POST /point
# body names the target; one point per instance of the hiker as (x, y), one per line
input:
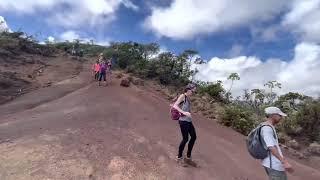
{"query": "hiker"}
(108, 71)
(102, 71)
(186, 126)
(263, 144)
(277, 167)
(96, 69)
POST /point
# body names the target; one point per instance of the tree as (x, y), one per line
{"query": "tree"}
(258, 95)
(247, 96)
(199, 60)
(309, 119)
(258, 99)
(188, 56)
(214, 90)
(291, 99)
(272, 84)
(150, 49)
(233, 77)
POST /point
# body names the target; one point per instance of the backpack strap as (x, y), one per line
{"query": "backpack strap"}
(185, 99)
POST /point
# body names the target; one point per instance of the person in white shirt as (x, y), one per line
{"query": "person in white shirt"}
(275, 164)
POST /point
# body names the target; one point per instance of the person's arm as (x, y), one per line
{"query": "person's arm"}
(179, 101)
(288, 167)
(274, 151)
(268, 137)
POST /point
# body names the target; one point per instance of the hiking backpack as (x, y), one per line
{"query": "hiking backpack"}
(256, 145)
(175, 114)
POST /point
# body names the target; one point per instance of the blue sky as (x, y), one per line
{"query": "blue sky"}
(128, 26)
(266, 30)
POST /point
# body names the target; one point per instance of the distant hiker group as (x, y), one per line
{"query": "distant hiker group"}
(102, 70)
(262, 142)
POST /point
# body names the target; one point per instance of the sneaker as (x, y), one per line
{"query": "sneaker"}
(190, 162)
(181, 162)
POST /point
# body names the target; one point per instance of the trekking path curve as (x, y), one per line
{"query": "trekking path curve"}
(112, 132)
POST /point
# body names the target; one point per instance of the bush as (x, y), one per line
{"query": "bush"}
(214, 90)
(238, 118)
(308, 117)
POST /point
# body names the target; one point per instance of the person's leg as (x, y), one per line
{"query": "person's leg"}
(100, 78)
(96, 76)
(105, 78)
(276, 175)
(193, 136)
(184, 133)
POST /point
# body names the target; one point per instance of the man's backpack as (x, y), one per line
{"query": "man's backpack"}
(256, 145)
(175, 114)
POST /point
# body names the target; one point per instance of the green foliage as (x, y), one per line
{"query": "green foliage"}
(308, 117)
(18, 42)
(271, 96)
(290, 101)
(214, 90)
(239, 118)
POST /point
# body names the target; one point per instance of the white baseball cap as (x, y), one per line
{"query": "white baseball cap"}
(274, 110)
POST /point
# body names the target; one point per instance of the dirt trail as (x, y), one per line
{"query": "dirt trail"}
(115, 133)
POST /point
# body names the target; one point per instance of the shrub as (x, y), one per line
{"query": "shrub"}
(308, 117)
(238, 118)
(214, 90)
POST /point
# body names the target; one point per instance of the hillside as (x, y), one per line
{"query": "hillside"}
(116, 133)
(26, 65)
(56, 123)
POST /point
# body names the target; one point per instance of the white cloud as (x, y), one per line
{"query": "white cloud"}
(235, 50)
(304, 19)
(69, 36)
(3, 25)
(130, 5)
(185, 19)
(77, 13)
(162, 49)
(103, 43)
(301, 74)
(72, 35)
(51, 39)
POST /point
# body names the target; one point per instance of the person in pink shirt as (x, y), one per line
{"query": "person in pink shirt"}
(95, 69)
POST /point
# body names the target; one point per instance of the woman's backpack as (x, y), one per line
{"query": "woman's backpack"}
(175, 114)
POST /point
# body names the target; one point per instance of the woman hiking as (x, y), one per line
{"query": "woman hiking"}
(102, 72)
(95, 69)
(183, 105)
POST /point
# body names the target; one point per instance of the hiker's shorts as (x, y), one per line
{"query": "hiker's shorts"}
(276, 175)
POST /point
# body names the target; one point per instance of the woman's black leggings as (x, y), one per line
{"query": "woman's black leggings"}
(186, 129)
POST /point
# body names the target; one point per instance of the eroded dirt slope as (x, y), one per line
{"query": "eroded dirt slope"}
(115, 133)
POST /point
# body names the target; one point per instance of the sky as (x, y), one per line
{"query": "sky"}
(261, 40)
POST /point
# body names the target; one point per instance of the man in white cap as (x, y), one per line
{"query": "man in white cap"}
(275, 164)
